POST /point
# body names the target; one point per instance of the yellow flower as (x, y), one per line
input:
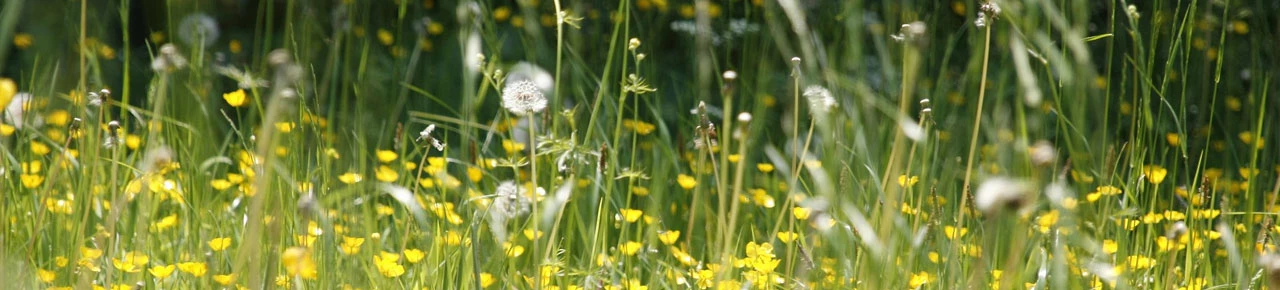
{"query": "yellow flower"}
(31, 181)
(954, 233)
(1154, 173)
(1174, 139)
(351, 245)
(297, 261)
(511, 250)
(219, 244)
(386, 174)
(46, 275)
(386, 156)
(132, 262)
(686, 182)
(21, 41)
(161, 271)
(512, 147)
(908, 181)
(165, 222)
(1109, 246)
(58, 118)
(413, 255)
(39, 148)
(630, 215)
(388, 264)
(7, 90)
(235, 99)
(350, 178)
(669, 237)
(630, 248)
(919, 279)
(225, 280)
(800, 213)
(194, 268)
(1140, 262)
(285, 127)
(385, 37)
(487, 280)
(765, 167)
(787, 237)
(475, 174)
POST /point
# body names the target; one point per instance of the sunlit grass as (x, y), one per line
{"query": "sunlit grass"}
(634, 144)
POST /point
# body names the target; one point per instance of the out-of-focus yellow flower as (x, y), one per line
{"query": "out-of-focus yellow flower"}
(630, 215)
(219, 244)
(165, 222)
(908, 181)
(800, 213)
(46, 275)
(350, 178)
(385, 37)
(1155, 173)
(686, 182)
(413, 255)
(388, 265)
(297, 261)
(630, 248)
(226, 279)
(787, 237)
(919, 279)
(161, 271)
(386, 174)
(351, 245)
(386, 156)
(669, 237)
(236, 98)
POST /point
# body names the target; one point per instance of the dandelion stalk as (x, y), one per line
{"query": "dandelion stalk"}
(977, 126)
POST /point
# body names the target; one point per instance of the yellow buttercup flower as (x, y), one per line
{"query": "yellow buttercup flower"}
(669, 237)
(219, 244)
(1154, 173)
(226, 279)
(236, 98)
(350, 178)
(787, 237)
(351, 245)
(686, 182)
(161, 271)
(630, 248)
(413, 255)
(386, 156)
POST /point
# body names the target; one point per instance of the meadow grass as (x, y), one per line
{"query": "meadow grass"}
(635, 144)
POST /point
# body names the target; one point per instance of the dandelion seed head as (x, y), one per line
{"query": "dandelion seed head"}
(509, 201)
(169, 59)
(820, 99)
(1000, 194)
(523, 98)
(198, 29)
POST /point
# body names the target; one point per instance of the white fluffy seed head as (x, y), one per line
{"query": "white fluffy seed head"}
(1000, 194)
(523, 98)
(820, 99)
(509, 201)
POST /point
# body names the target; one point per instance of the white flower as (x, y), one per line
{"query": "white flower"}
(998, 194)
(425, 135)
(15, 113)
(523, 97)
(820, 99)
